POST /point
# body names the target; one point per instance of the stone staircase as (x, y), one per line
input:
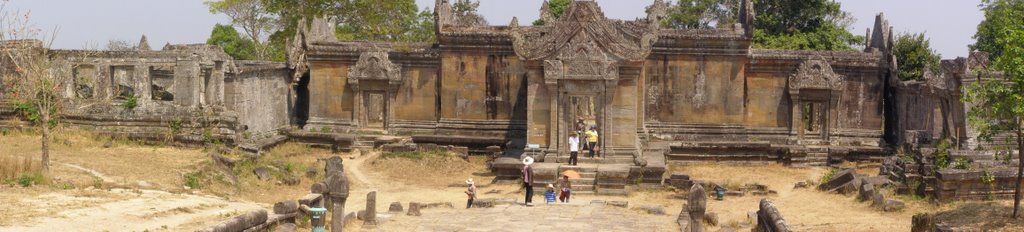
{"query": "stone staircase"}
(816, 155)
(585, 184)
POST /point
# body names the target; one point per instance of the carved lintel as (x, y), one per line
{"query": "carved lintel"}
(630, 41)
(375, 66)
(815, 73)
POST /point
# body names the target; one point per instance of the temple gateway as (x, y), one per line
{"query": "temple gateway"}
(636, 82)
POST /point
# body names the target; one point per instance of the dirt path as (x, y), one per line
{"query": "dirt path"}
(113, 210)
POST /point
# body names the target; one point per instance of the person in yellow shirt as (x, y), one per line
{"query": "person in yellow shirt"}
(592, 139)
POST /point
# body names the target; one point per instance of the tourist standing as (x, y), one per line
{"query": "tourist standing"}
(470, 192)
(565, 189)
(574, 149)
(528, 179)
(592, 139)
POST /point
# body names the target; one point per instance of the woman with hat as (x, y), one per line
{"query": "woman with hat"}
(528, 179)
(470, 192)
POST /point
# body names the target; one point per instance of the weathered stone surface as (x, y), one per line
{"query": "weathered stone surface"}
(286, 207)
(711, 218)
(290, 180)
(285, 227)
(311, 173)
(240, 222)
(652, 209)
(878, 200)
(801, 184)
(395, 207)
(839, 180)
(892, 205)
(414, 209)
(262, 173)
(621, 204)
(866, 191)
(697, 205)
(922, 222)
(769, 218)
(370, 217)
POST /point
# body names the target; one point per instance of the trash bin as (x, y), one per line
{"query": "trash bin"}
(317, 217)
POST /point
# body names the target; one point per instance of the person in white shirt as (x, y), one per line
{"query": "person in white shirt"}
(574, 149)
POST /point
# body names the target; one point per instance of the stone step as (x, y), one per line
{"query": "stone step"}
(582, 181)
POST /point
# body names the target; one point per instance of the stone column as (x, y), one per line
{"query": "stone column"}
(337, 184)
(697, 205)
(370, 214)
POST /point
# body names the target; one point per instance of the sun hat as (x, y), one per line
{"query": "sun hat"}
(469, 181)
(528, 161)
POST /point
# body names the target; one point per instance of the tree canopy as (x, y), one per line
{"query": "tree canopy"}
(556, 8)
(803, 25)
(913, 54)
(692, 14)
(228, 38)
(999, 103)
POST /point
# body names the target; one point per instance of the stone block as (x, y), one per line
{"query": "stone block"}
(414, 209)
(622, 204)
(866, 190)
(652, 209)
(544, 174)
(262, 173)
(840, 179)
(679, 176)
(395, 207)
(711, 218)
(892, 205)
(286, 207)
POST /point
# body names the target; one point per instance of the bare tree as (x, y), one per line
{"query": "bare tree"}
(120, 45)
(27, 68)
(252, 17)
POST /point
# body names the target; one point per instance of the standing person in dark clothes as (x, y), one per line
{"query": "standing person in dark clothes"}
(528, 179)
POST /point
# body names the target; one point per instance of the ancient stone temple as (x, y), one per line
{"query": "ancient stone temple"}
(635, 81)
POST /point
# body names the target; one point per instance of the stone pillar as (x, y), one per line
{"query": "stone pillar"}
(337, 184)
(370, 217)
(333, 164)
(697, 205)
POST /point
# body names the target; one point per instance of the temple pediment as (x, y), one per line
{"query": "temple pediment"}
(585, 25)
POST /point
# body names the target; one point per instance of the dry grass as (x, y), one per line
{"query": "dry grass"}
(433, 170)
(988, 216)
(13, 166)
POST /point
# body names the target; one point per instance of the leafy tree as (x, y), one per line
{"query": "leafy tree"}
(803, 25)
(987, 29)
(228, 38)
(556, 7)
(914, 54)
(253, 18)
(466, 12)
(690, 14)
(383, 20)
(1000, 103)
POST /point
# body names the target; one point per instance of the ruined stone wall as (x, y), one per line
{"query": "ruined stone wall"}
(330, 98)
(993, 183)
(482, 94)
(695, 90)
(259, 95)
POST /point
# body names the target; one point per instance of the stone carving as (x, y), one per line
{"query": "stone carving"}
(815, 73)
(318, 29)
(370, 215)
(545, 12)
(375, 66)
(584, 22)
(697, 205)
(700, 89)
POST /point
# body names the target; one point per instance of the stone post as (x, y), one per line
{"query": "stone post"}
(337, 185)
(697, 205)
(332, 164)
(370, 214)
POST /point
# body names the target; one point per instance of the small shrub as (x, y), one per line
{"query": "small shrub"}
(5, 131)
(963, 164)
(29, 179)
(325, 130)
(828, 175)
(209, 138)
(175, 125)
(97, 183)
(130, 102)
(193, 180)
(942, 154)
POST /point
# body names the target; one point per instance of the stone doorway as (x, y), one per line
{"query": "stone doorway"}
(815, 118)
(376, 105)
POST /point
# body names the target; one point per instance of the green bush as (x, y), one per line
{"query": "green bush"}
(962, 164)
(828, 175)
(30, 179)
(942, 154)
(193, 180)
(130, 102)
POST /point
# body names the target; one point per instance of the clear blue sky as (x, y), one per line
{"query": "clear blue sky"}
(81, 23)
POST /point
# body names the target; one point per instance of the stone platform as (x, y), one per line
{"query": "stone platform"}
(542, 217)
